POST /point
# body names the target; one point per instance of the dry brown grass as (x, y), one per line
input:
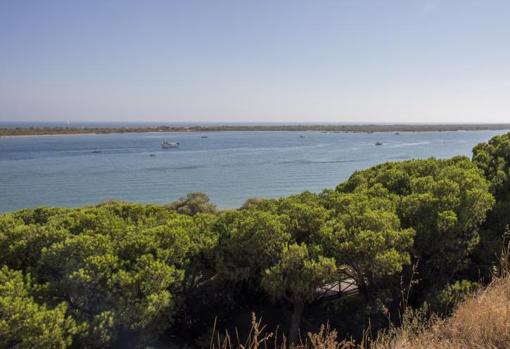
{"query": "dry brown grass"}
(481, 321)
(260, 338)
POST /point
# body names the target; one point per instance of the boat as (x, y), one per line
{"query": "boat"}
(169, 145)
(301, 136)
(378, 143)
(203, 137)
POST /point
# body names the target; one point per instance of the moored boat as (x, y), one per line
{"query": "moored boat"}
(169, 145)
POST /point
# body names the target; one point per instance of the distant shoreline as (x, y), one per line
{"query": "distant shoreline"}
(54, 131)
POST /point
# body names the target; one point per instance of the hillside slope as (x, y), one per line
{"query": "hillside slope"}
(481, 321)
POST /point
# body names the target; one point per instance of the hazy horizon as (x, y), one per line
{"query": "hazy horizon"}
(120, 123)
(258, 62)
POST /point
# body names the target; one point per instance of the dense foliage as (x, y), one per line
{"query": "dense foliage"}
(129, 275)
(493, 158)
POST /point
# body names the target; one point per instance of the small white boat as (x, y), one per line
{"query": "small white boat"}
(169, 145)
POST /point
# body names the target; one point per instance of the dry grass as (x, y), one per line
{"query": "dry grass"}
(481, 321)
(260, 338)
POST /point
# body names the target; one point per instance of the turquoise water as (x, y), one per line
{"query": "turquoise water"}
(230, 167)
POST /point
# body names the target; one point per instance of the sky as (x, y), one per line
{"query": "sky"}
(258, 60)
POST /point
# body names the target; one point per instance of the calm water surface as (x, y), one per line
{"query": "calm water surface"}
(230, 167)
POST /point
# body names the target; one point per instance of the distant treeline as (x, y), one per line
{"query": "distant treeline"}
(33, 131)
(415, 234)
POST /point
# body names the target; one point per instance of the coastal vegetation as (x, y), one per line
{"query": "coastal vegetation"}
(400, 238)
(480, 320)
(40, 131)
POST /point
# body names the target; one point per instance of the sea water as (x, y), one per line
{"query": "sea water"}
(230, 167)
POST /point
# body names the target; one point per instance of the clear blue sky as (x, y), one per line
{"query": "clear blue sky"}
(258, 60)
